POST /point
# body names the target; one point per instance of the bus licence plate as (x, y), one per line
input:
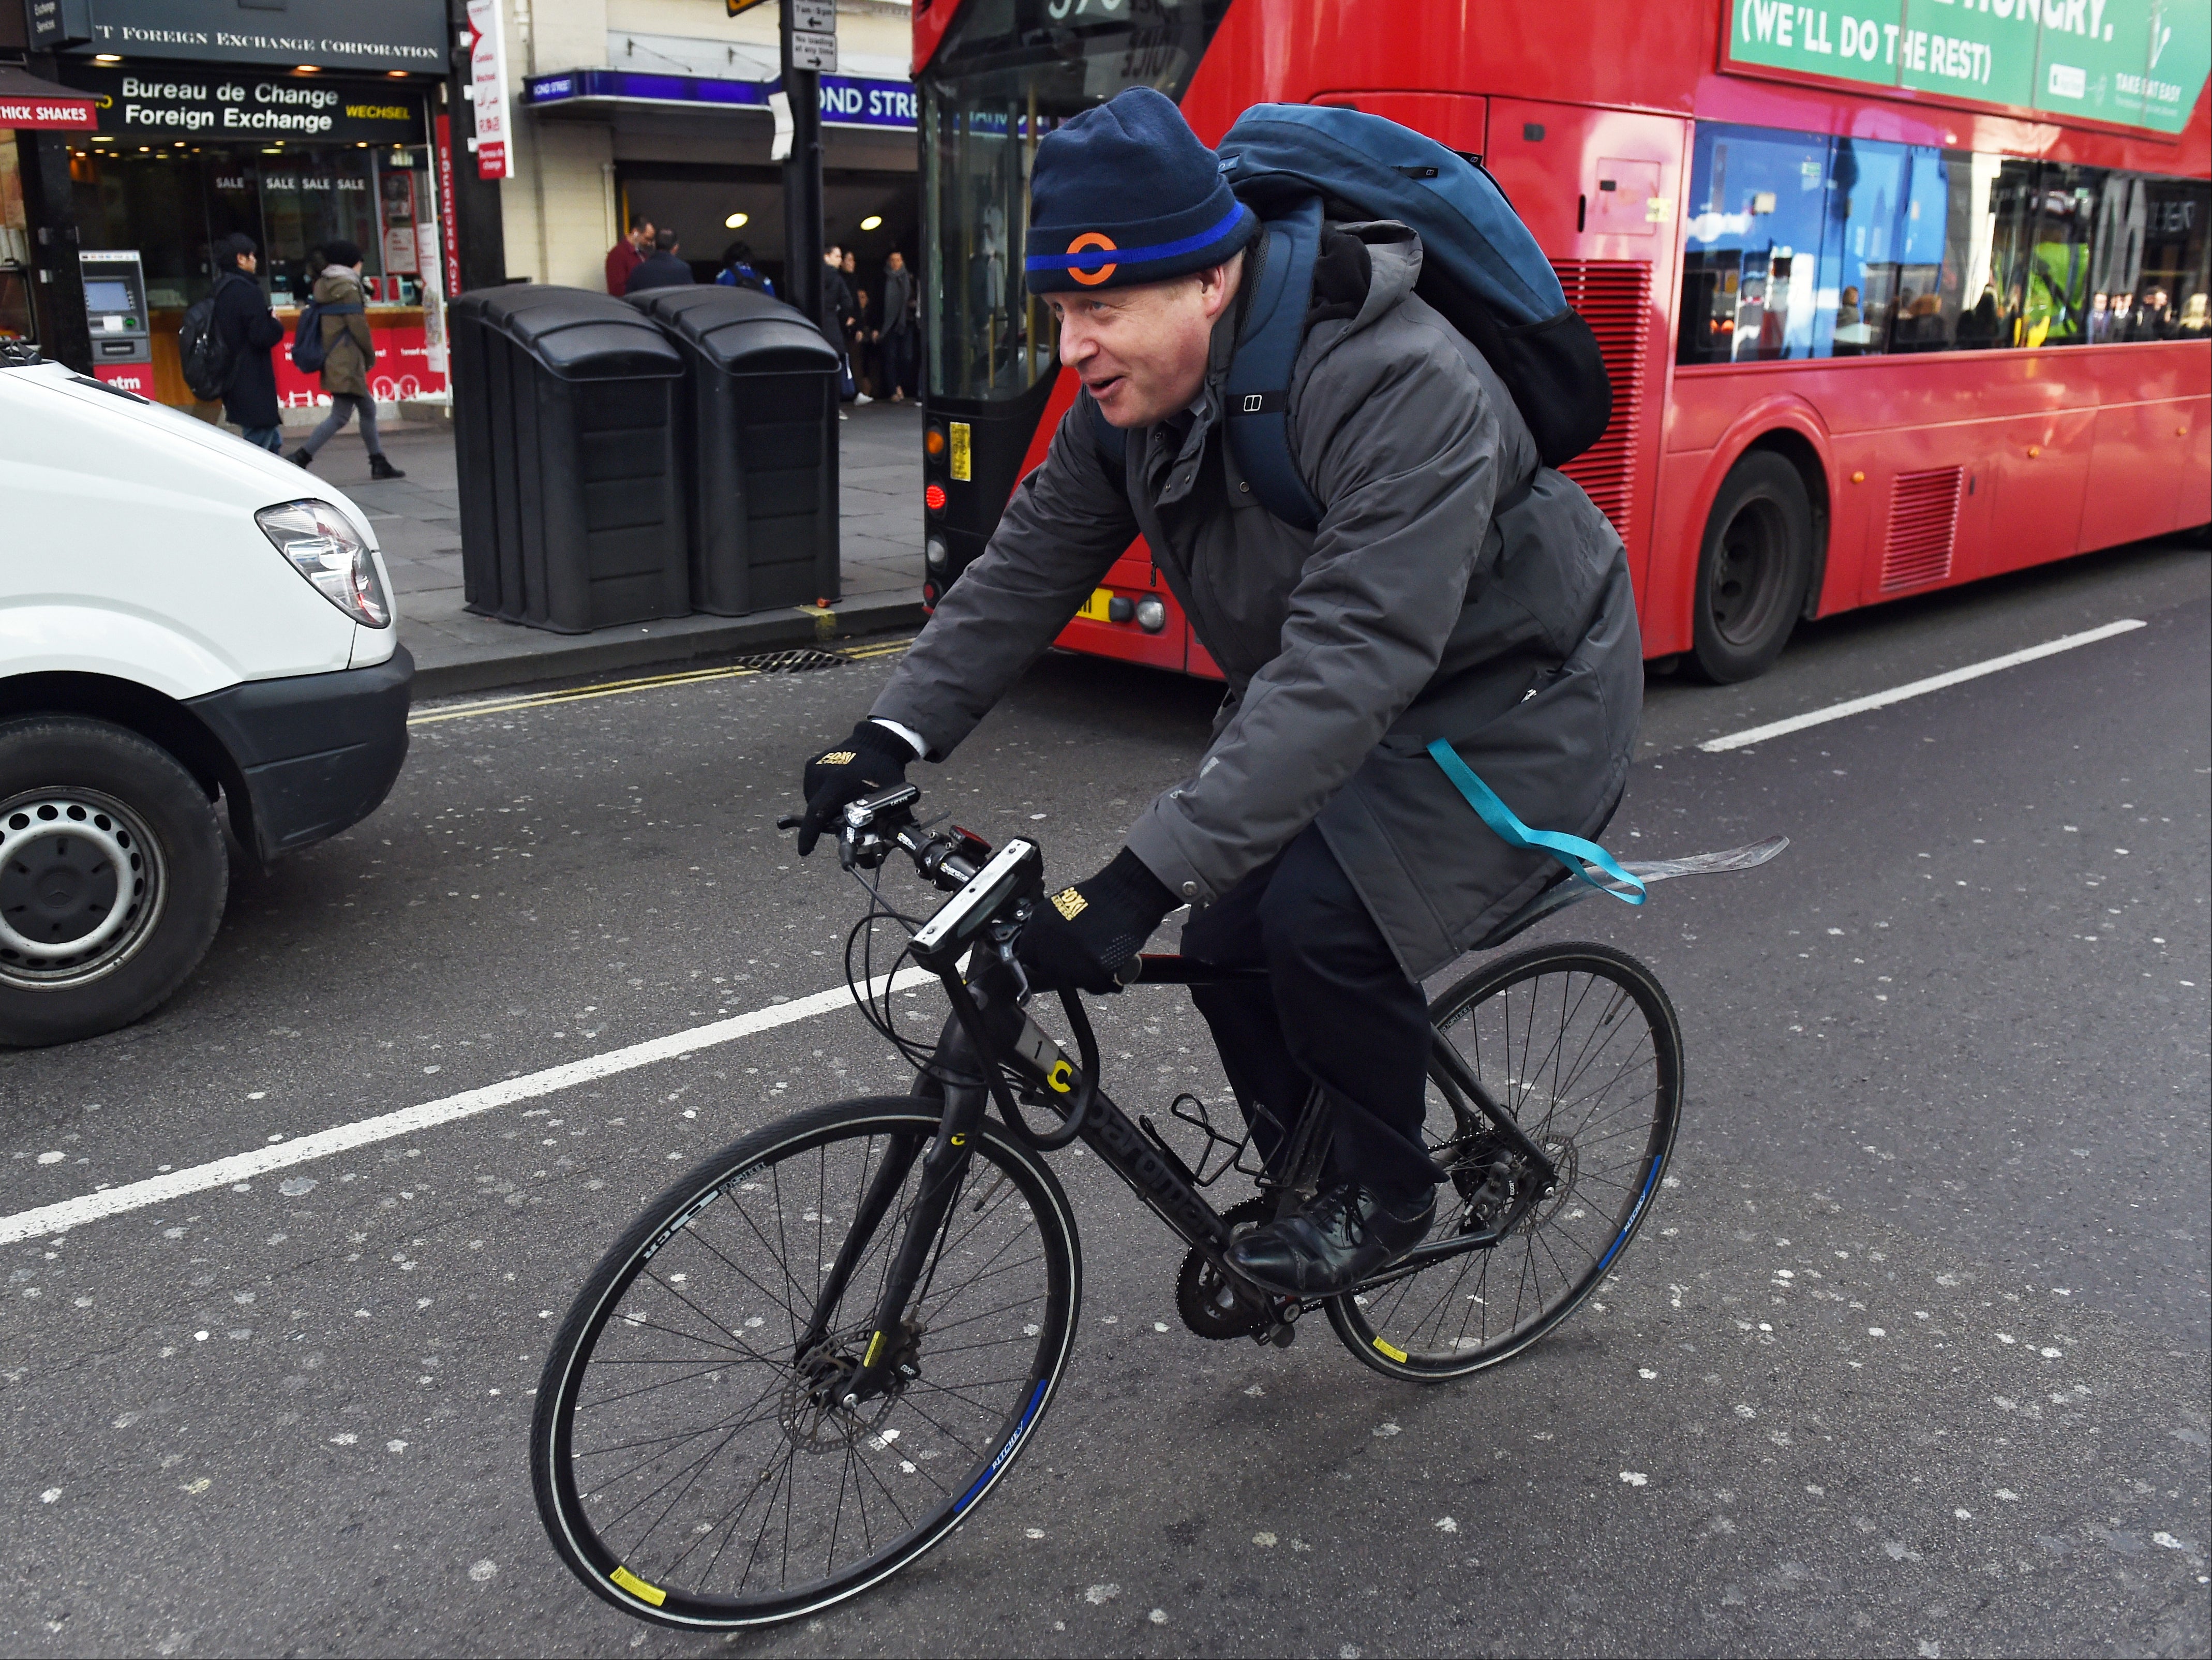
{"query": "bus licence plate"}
(1095, 608)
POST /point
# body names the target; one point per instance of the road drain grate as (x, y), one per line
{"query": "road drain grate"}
(790, 662)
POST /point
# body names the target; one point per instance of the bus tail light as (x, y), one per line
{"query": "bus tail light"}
(1151, 615)
(934, 550)
(933, 498)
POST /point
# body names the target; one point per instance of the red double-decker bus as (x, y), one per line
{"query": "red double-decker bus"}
(1892, 297)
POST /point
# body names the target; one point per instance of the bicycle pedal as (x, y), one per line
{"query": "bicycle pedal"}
(1285, 1334)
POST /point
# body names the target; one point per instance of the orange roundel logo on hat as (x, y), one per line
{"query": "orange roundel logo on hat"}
(1083, 244)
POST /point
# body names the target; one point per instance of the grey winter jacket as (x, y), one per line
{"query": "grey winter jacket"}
(1453, 588)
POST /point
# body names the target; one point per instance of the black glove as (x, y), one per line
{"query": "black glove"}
(874, 757)
(1079, 936)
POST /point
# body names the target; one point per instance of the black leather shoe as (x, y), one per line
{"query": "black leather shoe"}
(1346, 1234)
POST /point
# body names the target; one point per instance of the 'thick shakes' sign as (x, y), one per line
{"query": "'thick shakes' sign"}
(2138, 63)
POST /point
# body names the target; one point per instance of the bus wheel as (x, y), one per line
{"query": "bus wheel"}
(1752, 572)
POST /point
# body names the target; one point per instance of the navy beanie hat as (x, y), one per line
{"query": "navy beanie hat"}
(1124, 194)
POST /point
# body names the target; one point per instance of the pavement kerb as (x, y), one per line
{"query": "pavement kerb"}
(799, 625)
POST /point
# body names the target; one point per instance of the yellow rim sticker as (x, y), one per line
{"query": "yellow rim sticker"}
(962, 452)
(637, 1587)
(1061, 1076)
(875, 1346)
(1099, 608)
(1381, 1347)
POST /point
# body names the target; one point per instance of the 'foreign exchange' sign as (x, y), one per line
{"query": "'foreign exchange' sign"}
(172, 102)
(2136, 63)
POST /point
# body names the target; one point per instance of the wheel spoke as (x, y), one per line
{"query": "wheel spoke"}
(1543, 1033)
(724, 1467)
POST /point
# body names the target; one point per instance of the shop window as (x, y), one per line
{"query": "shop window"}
(172, 204)
(15, 319)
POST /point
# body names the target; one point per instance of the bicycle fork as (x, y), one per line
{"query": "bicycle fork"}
(943, 1169)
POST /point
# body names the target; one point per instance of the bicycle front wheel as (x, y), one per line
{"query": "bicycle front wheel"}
(1578, 1044)
(695, 1469)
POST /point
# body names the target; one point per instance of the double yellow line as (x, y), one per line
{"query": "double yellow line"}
(643, 683)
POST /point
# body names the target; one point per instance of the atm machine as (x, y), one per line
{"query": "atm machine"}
(115, 309)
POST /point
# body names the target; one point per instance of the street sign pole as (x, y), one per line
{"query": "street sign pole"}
(808, 49)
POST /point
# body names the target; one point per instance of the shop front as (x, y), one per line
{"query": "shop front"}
(36, 110)
(329, 142)
(185, 157)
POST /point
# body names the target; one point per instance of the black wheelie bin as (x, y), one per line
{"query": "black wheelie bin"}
(587, 468)
(762, 416)
(490, 514)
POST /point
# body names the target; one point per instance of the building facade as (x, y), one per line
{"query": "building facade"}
(665, 108)
(300, 123)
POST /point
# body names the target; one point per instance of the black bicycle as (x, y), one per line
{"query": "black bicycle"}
(819, 1351)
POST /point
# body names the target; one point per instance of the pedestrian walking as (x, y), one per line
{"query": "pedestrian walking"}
(897, 331)
(627, 255)
(836, 310)
(334, 332)
(664, 269)
(225, 348)
(853, 322)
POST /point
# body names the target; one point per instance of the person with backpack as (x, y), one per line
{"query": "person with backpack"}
(1429, 637)
(737, 272)
(333, 339)
(225, 342)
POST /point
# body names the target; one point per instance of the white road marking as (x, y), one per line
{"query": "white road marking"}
(1736, 740)
(245, 1166)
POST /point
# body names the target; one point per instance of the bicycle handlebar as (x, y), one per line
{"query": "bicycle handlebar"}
(869, 827)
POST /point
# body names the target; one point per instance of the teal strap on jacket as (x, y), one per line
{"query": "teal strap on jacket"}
(1576, 854)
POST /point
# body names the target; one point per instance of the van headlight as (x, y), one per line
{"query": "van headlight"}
(330, 553)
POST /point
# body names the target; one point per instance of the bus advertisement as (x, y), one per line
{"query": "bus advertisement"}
(1893, 293)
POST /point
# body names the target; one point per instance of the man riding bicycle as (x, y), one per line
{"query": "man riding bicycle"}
(1453, 589)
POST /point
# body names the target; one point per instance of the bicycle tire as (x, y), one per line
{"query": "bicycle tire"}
(645, 1573)
(1401, 1325)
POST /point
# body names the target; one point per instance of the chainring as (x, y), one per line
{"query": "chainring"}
(1208, 1304)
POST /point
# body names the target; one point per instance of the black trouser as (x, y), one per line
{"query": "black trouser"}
(1336, 1010)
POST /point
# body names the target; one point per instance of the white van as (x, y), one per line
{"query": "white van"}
(184, 619)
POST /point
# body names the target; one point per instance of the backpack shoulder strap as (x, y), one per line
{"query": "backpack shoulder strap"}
(1258, 386)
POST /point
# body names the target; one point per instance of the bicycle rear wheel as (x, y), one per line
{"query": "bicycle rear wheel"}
(1580, 1045)
(688, 1464)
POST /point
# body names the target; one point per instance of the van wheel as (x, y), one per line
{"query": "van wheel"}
(112, 874)
(1752, 572)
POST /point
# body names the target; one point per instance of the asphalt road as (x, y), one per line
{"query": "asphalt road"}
(1910, 1359)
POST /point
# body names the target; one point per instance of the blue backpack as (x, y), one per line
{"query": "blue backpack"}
(307, 354)
(1294, 164)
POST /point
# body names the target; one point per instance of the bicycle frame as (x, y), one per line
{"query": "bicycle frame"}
(989, 1033)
